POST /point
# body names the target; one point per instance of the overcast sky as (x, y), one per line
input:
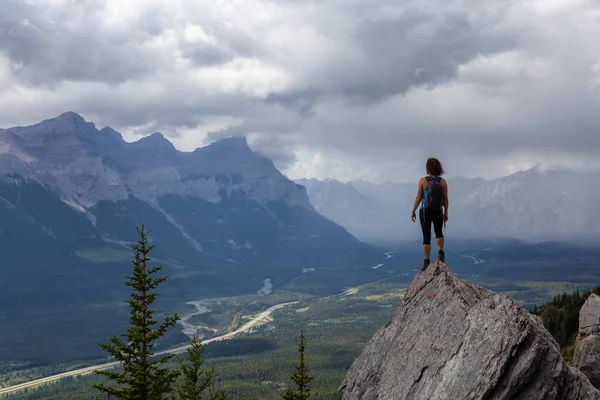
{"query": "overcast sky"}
(351, 89)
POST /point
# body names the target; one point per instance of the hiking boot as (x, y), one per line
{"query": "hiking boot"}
(425, 264)
(441, 255)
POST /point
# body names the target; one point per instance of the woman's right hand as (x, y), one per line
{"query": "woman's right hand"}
(413, 216)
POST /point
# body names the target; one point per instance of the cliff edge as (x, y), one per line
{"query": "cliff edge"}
(454, 340)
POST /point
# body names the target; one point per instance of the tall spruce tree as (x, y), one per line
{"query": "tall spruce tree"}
(196, 381)
(142, 377)
(300, 378)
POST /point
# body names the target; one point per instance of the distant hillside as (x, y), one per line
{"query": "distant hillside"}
(532, 204)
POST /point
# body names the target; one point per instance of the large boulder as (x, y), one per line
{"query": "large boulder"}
(453, 340)
(586, 356)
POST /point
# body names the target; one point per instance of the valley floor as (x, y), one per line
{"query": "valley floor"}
(256, 364)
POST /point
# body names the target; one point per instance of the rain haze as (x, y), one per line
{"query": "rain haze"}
(350, 89)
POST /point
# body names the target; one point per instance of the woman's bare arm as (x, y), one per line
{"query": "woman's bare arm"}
(445, 199)
(418, 198)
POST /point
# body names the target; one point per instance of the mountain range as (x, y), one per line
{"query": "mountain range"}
(223, 220)
(536, 204)
(220, 202)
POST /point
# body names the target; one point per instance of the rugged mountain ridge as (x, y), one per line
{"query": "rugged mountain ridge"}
(223, 219)
(215, 199)
(533, 204)
(454, 340)
(88, 165)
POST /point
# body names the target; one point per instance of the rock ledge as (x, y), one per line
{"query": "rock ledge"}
(454, 340)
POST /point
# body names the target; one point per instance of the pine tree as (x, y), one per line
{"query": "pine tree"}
(142, 377)
(195, 378)
(300, 378)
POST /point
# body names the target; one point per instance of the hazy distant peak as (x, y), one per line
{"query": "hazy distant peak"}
(536, 169)
(331, 180)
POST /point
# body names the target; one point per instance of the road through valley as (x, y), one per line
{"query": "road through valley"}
(260, 317)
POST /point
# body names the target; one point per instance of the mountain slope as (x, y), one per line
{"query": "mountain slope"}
(532, 204)
(344, 204)
(214, 200)
(222, 218)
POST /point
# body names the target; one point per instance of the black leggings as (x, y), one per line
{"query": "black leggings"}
(428, 217)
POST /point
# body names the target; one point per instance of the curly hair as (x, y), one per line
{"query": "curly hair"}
(434, 167)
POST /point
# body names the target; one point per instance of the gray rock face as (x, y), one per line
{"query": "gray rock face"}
(587, 345)
(453, 340)
(87, 165)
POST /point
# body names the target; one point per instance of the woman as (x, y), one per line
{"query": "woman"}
(432, 194)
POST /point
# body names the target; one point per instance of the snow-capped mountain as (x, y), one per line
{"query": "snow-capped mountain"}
(223, 200)
(531, 204)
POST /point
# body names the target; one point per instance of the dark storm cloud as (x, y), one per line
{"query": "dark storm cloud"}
(301, 101)
(225, 44)
(207, 55)
(168, 114)
(419, 45)
(415, 49)
(51, 50)
(277, 149)
(369, 86)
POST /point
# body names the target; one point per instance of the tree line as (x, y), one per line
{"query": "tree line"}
(561, 316)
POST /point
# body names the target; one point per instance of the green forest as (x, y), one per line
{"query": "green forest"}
(561, 317)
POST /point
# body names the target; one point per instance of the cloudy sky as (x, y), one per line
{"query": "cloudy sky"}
(351, 89)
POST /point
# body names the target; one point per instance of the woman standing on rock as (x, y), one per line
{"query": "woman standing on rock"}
(432, 194)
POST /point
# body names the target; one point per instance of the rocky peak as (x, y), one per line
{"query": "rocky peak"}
(156, 141)
(108, 132)
(67, 129)
(586, 356)
(233, 155)
(70, 116)
(73, 156)
(454, 340)
(67, 123)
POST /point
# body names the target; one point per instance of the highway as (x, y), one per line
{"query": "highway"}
(177, 350)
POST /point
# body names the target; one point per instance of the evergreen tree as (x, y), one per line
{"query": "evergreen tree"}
(195, 378)
(142, 377)
(300, 378)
